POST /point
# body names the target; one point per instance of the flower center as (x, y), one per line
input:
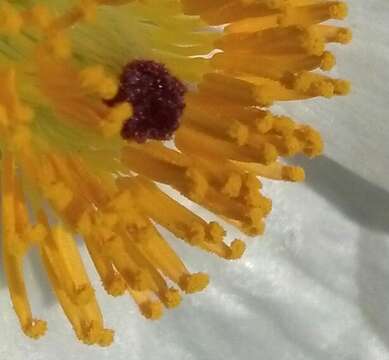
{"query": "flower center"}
(157, 98)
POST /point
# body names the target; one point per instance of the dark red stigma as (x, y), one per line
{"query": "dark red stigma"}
(157, 98)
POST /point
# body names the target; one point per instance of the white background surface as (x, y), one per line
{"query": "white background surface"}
(316, 286)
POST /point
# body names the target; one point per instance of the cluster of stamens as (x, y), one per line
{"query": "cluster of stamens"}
(73, 139)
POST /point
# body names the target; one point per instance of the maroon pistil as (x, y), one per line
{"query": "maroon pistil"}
(157, 98)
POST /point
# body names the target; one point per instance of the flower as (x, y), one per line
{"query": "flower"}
(83, 151)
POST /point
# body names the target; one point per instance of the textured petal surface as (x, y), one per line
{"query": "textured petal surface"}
(314, 287)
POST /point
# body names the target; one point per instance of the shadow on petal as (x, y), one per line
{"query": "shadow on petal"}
(373, 277)
(359, 199)
(368, 205)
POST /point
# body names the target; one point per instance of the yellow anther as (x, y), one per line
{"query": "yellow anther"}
(313, 44)
(105, 337)
(92, 332)
(216, 232)
(92, 76)
(233, 185)
(36, 329)
(328, 61)
(314, 85)
(293, 173)
(338, 11)
(116, 286)
(237, 249)
(311, 140)
(283, 125)
(152, 310)
(196, 234)
(239, 133)
(108, 88)
(252, 183)
(255, 216)
(342, 87)
(344, 36)
(265, 204)
(199, 184)
(116, 117)
(194, 282)
(171, 298)
(303, 82)
(264, 124)
(291, 146)
(322, 88)
(95, 79)
(268, 154)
